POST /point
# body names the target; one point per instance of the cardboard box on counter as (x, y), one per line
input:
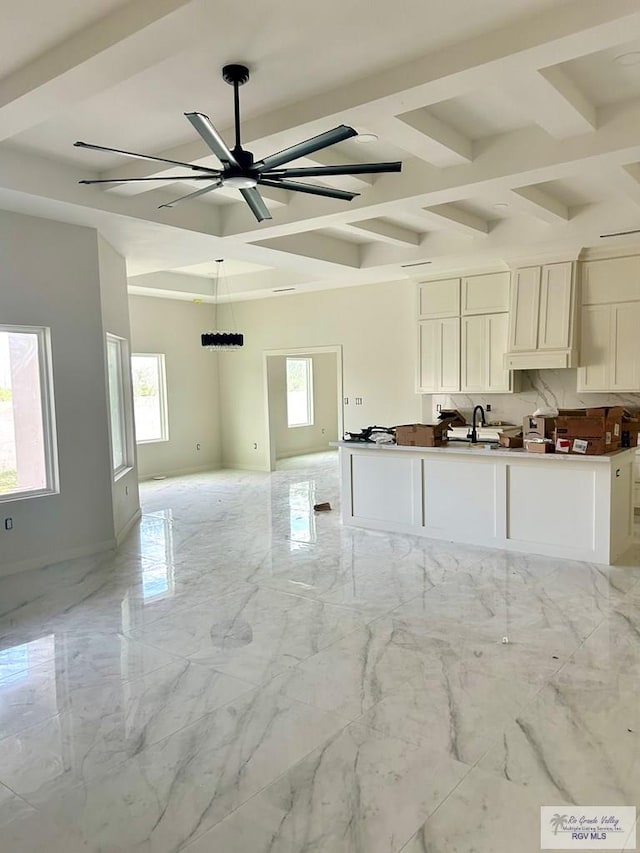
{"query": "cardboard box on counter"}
(507, 440)
(421, 435)
(591, 432)
(537, 427)
(538, 445)
(630, 436)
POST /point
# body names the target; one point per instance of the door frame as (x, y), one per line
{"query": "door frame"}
(298, 351)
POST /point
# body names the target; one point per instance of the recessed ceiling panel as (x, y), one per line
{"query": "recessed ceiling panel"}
(482, 113)
(608, 76)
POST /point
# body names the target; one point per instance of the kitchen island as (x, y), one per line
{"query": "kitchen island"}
(576, 507)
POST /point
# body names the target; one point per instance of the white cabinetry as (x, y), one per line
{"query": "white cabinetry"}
(439, 356)
(542, 317)
(463, 353)
(484, 338)
(610, 349)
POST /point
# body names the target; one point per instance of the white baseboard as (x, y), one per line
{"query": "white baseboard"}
(289, 454)
(50, 559)
(122, 535)
(179, 472)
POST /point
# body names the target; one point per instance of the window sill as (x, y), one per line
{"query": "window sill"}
(32, 493)
(298, 426)
(122, 472)
(153, 441)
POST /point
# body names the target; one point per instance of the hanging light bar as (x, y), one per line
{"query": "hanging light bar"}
(216, 339)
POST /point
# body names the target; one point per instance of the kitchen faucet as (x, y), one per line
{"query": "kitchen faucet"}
(474, 430)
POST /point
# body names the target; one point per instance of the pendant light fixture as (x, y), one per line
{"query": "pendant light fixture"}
(216, 339)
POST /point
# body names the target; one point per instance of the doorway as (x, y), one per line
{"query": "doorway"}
(303, 398)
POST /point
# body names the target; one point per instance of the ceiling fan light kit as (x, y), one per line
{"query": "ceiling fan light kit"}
(240, 171)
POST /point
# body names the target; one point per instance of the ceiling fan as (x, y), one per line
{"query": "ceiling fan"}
(239, 169)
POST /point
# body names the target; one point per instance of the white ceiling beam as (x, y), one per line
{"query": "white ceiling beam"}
(387, 232)
(331, 250)
(455, 218)
(133, 37)
(540, 204)
(425, 136)
(626, 180)
(523, 157)
(553, 101)
(551, 37)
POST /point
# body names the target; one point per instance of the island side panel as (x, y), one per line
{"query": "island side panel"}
(622, 476)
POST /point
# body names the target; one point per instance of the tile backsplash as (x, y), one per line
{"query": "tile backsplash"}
(537, 388)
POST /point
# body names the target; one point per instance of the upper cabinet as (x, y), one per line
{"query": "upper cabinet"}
(610, 352)
(542, 317)
(439, 299)
(462, 335)
(485, 294)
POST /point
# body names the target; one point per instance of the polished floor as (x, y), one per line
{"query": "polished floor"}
(246, 676)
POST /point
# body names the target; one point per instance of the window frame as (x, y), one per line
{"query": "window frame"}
(125, 422)
(164, 407)
(47, 411)
(309, 377)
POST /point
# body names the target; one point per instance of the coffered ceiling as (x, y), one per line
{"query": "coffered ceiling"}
(516, 121)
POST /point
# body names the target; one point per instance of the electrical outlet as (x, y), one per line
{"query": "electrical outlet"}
(488, 407)
(255, 445)
(346, 401)
(198, 446)
(358, 401)
(8, 524)
(323, 430)
(126, 490)
(438, 407)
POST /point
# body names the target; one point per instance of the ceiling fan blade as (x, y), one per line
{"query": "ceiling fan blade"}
(143, 157)
(302, 149)
(191, 195)
(256, 203)
(318, 171)
(168, 178)
(308, 188)
(210, 135)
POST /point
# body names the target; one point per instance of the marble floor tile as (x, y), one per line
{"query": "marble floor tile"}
(12, 808)
(358, 671)
(253, 633)
(485, 814)
(172, 792)
(359, 791)
(577, 741)
(244, 675)
(101, 725)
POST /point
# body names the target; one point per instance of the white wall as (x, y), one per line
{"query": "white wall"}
(114, 302)
(49, 276)
(374, 324)
(293, 441)
(173, 327)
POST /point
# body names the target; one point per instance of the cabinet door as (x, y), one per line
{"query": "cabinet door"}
(474, 359)
(625, 356)
(428, 335)
(439, 298)
(496, 340)
(485, 294)
(611, 280)
(555, 321)
(525, 303)
(449, 355)
(439, 356)
(595, 354)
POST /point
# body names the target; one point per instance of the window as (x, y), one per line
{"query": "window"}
(299, 392)
(149, 397)
(116, 359)
(28, 463)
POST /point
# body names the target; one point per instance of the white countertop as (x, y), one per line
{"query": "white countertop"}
(463, 449)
